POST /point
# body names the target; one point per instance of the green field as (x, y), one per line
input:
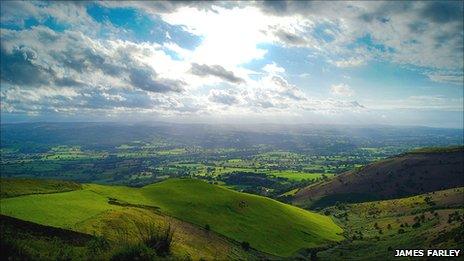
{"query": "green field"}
(18, 187)
(298, 176)
(267, 225)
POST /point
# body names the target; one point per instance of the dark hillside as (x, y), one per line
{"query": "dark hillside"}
(405, 175)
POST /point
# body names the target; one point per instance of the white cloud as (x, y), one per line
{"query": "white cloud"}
(341, 89)
(453, 78)
(351, 62)
(273, 68)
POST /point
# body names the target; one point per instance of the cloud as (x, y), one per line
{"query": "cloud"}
(350, 62)
(223, 97)
(145, 79)
(204, 70)
(19, 66)
(44, 71)
(290, 39)
(442, 12)
(424, 34)
(40, 56)
(273, 68)
(341, 89)
(443, 77)
(287, 90)
(90, 66)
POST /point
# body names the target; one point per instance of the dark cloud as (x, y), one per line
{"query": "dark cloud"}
(290, 38)
(286, 7)
(114, 99)
(215, 70)
(418, 27)
(67, 81)
(161, 7)
(443, 11)
(146, 79)
(82, 58)
(356, 104)
(20, 67)
(223, 97)
(383, 11)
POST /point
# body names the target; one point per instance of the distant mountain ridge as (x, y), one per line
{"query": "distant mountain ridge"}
(413, 173)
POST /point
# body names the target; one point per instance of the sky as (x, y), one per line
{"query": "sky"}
(366, 62)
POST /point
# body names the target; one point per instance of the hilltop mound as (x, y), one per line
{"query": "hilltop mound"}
(268, 225)
(409, 174)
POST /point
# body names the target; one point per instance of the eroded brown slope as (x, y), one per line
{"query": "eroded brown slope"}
(405, 175)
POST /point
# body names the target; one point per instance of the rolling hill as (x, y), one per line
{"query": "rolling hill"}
(233, 217)
(409, 174)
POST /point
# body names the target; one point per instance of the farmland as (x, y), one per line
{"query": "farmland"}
(143, 154)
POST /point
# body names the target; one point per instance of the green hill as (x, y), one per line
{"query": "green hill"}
(267, 225)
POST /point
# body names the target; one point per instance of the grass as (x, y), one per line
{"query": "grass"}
(267, 225)
(438, 149)
(63, 210)
(18, 187)
(373, 227)
(297, 175)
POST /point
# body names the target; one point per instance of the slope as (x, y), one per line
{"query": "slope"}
(375, 229)
(405, 175)
(267, 225)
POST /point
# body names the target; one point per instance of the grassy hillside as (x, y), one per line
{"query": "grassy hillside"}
(267, 225)
(374, 229)
(95, 214)
(22, 240)
(409, 174)
(18, 187)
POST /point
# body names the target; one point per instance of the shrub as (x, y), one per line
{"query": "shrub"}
(134, 252)
(245, 245)
(158, 238)
(97, 245)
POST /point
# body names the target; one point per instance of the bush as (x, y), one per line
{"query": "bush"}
(245, 245)
(158, 238)
(134, 252)
(97, 245)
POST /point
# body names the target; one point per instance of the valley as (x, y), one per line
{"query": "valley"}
(229, 196)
